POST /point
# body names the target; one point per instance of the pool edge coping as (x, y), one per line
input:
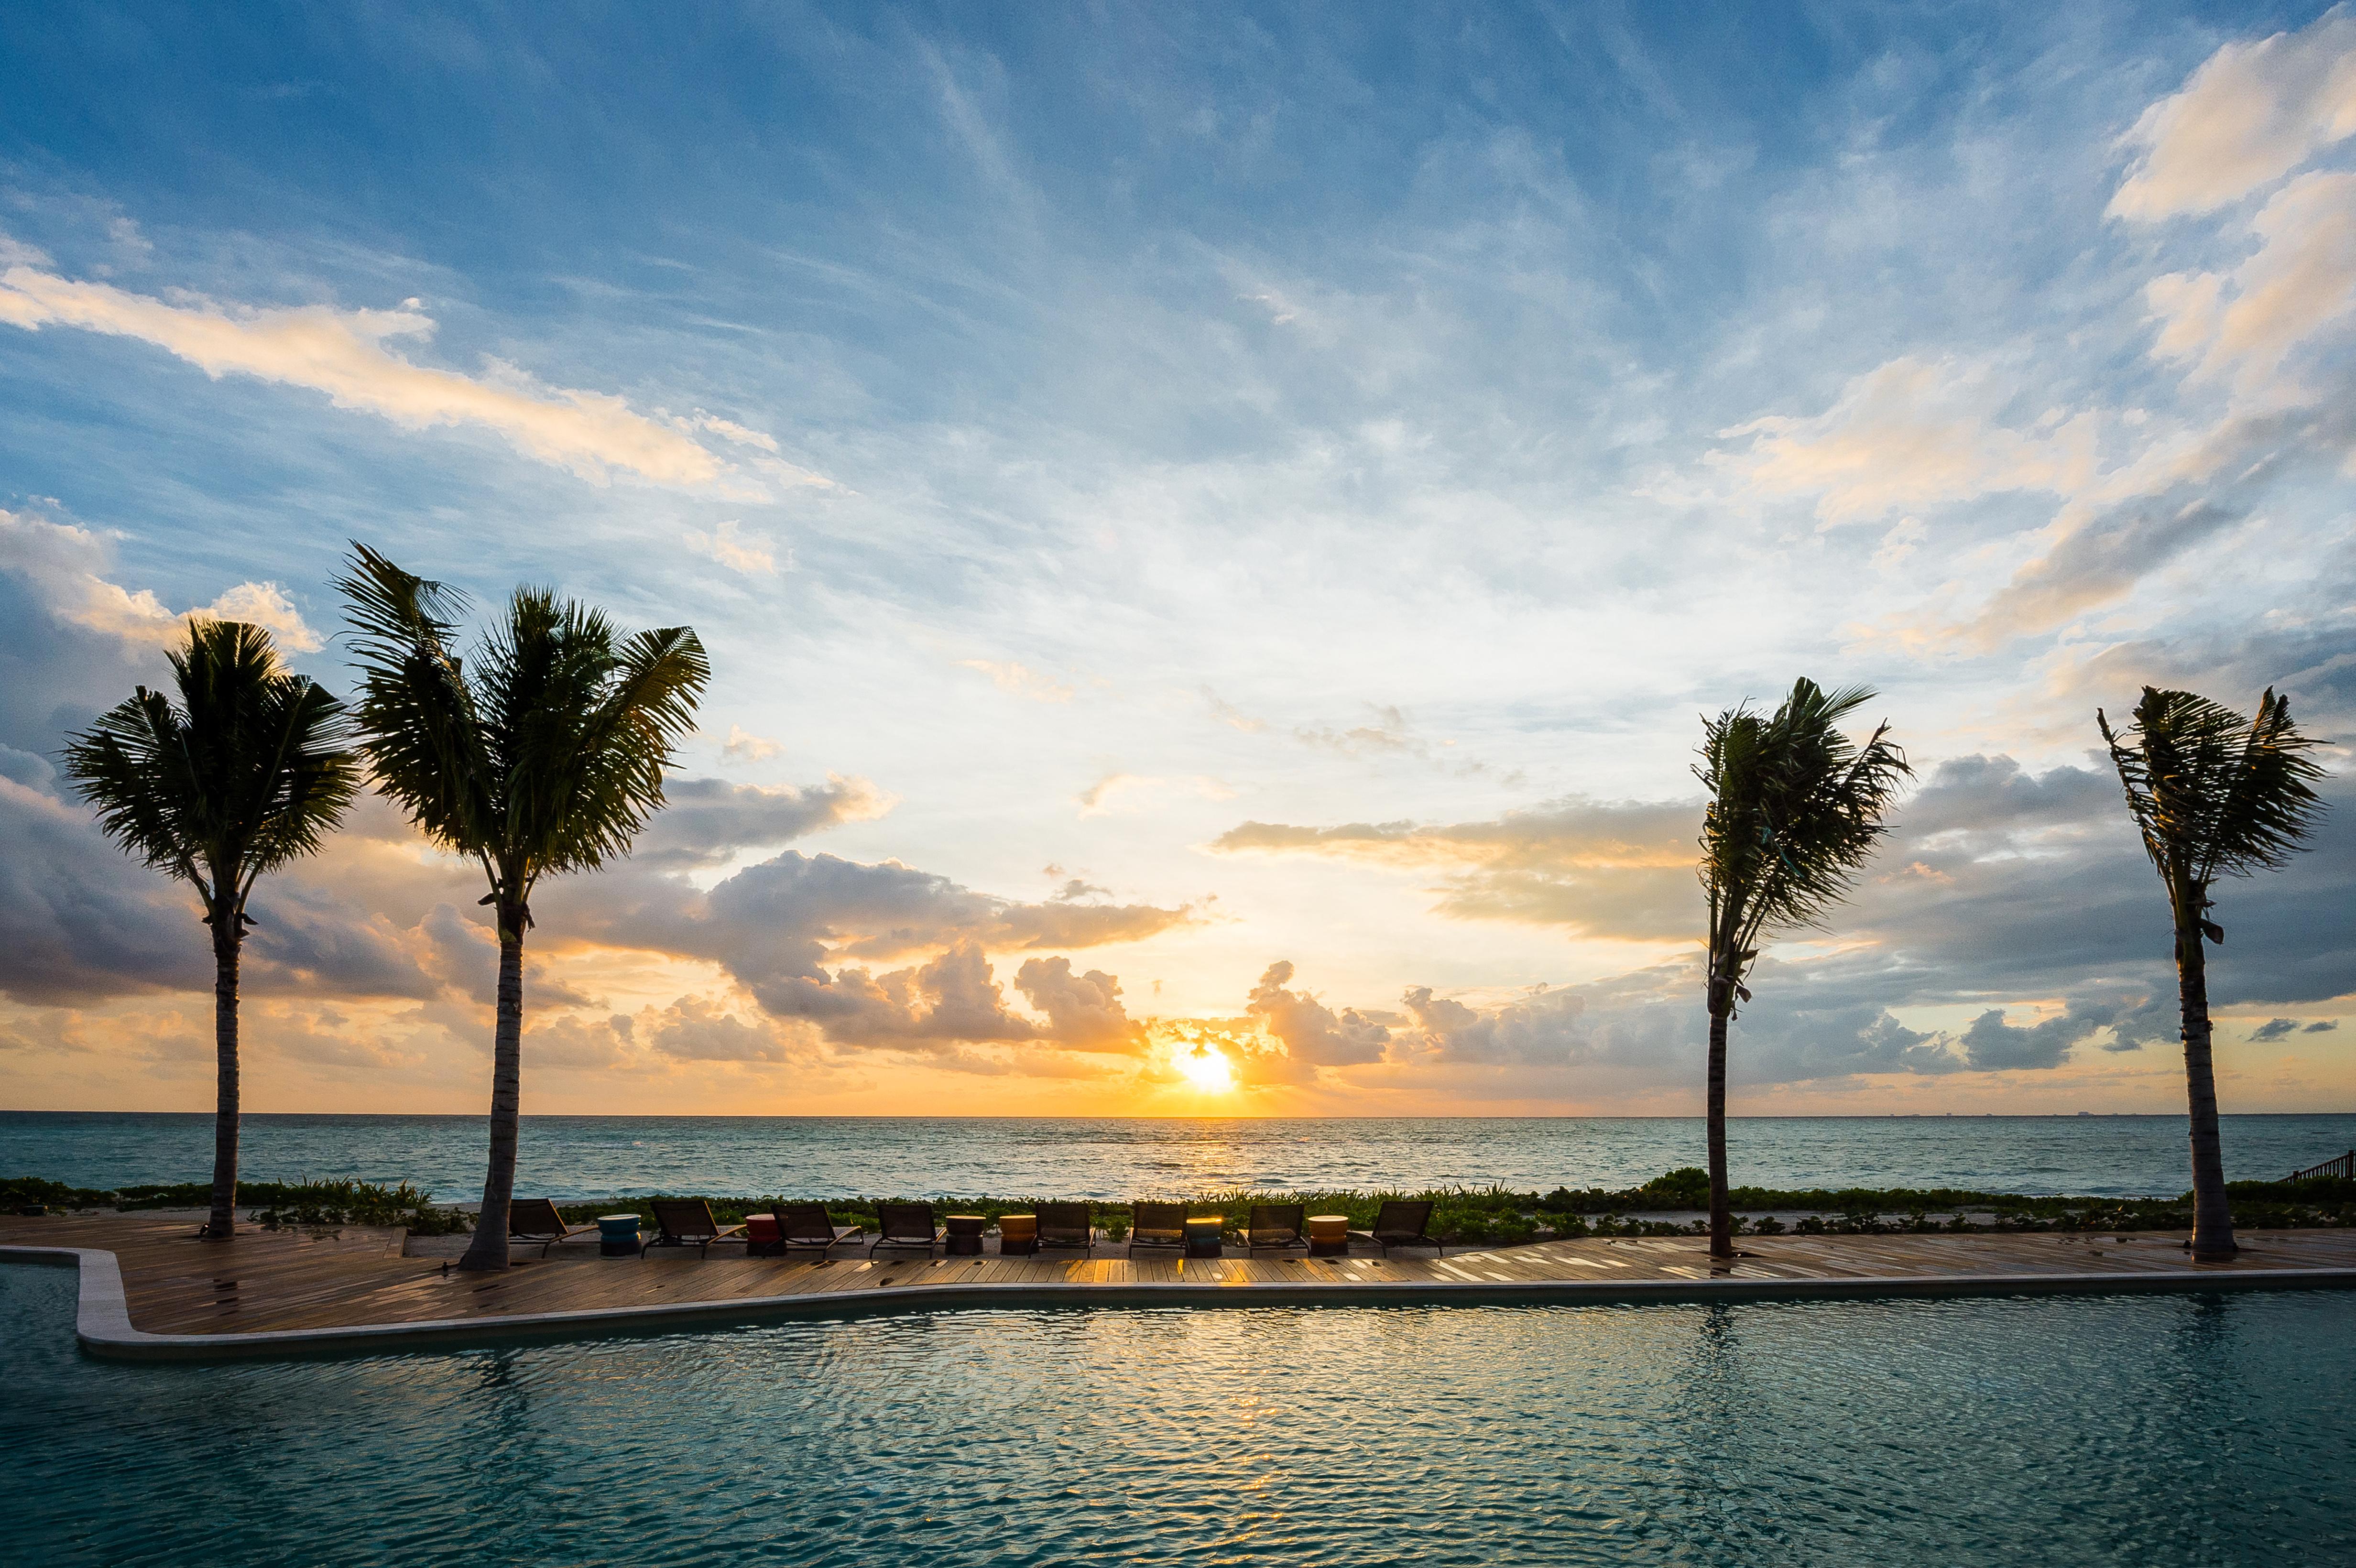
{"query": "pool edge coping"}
(103, 1318)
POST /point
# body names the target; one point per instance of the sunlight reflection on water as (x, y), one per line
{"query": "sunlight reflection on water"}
(597, 1157)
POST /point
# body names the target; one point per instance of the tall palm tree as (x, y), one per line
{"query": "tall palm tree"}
(2214, 795)
(1794, 809)
(544, 755)
(250, 769)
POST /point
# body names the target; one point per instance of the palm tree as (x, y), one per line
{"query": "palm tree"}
(1794, 809)
(2214, 795)
(545, 756)
(251, 770)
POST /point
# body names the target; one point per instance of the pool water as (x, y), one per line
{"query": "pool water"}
(2147, 1430)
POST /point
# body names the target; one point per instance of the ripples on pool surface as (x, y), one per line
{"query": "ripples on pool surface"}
(2129, 1430)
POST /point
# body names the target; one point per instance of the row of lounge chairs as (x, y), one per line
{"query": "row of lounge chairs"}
(1063, 1227)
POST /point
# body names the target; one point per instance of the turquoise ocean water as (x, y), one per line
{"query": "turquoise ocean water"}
(2147, 1431)
(591, 1158)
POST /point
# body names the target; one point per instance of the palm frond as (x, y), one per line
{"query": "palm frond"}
(627, 741)
(2213, 793)
(566, 725)
(1795, 811)
(250, 769)
(132, 767)
(415, 710)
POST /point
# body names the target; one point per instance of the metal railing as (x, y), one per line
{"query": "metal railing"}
(2344, 1165)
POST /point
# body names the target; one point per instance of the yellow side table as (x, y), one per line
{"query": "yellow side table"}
(1018, 1236)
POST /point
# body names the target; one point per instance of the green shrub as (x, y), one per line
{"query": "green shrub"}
(1494, 1215)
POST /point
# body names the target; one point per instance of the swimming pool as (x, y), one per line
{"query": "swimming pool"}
(2094, 1430)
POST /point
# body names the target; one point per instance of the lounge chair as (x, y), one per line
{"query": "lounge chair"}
(1401, 1223)
(535, 1220)
(1066, 1225)
(905, 1225)
(1157, 1225)
(688, 1223)
(808, 1225)
(1276, 1226)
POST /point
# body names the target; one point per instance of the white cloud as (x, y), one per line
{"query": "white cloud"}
(265, 606)
(1135, 792)
(2302, 279)
(1312, 1033)
(124, 232)
(1899, 543)
(2252, 114)
(728, 429)
(744, 746)
(1022, 681)
(1911, 432)
(342, 354)
(729, 546)
(58, 554)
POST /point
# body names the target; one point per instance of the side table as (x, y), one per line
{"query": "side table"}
(617, 1236)
(1018, 1236)
(1329, 1235)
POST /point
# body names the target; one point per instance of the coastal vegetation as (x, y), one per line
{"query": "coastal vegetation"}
(1794, 810)
(271, 1204)
(249, 770)
(2213, 795)
(1492, 1216)
(543, 755)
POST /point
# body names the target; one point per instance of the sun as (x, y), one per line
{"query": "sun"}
(1207, 1070)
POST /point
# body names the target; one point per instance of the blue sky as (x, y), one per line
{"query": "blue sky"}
(1236, 511)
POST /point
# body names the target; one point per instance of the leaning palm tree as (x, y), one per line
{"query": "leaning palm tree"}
(252, 769)
(1794, 809)
(2214, 795)
(544, 755)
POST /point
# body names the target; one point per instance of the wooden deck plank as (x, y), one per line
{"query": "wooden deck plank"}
(262, 1280)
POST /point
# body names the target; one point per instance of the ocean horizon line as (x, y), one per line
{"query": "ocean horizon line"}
(1119, 1117)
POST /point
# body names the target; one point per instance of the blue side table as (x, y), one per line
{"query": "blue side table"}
(617, 1236)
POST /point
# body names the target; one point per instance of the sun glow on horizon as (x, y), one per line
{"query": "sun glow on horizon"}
(1205, 1070)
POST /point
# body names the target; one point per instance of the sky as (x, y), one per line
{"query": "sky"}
(1215, 528)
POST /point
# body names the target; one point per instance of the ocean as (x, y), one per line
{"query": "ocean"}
(587, 1158)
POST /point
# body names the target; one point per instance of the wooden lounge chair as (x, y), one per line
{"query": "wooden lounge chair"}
(1157, 1225)
(1276, 1226)
(535, 1220)
(806, 1225)
(905, 1225)
(1066, 1225)
(688, 1223)
(1402, 1223)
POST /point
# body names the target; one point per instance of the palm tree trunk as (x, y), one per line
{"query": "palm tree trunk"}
(1721, 1208)
(2213, 1216)
(489, 1250)
(227, 939)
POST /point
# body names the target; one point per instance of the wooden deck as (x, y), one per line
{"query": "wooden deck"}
(290, 1292)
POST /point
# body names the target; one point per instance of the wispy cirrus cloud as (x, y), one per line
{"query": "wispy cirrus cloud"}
(1020, 681)
(1136, 792)
(345, 355)
(2240, 327)
(1911, 432)
(1619, 868)
(732, 548)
